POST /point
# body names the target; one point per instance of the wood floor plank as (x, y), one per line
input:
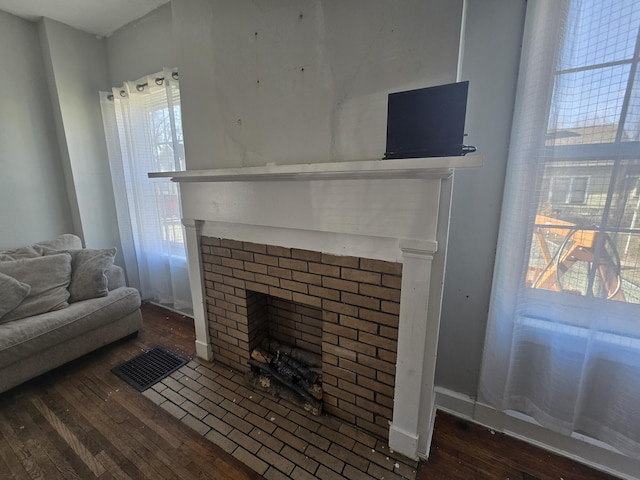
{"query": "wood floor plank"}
(12, 467)
(39, 429)
(461, 450)
(25, 457)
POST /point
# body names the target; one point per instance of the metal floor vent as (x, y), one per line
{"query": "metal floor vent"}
(149, 368)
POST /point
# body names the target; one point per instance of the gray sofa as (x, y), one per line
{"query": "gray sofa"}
(58, 302)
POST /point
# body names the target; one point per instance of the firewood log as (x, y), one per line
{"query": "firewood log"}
(268, 370)
(309, 358)
(272, 386)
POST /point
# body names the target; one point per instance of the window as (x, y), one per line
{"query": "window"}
(562, 343)
(590, 162)
(568, 190)
(143, 127)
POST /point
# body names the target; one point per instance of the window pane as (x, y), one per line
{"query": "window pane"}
(632, 121)
(587, 106)
(573, 249)
(600, 32)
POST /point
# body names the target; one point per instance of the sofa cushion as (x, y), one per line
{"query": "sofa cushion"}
(20, 339)
(61, 242)
(88, 278)
(12, 292)
(48, 277)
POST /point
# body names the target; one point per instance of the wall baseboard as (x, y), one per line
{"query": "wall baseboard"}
(579, 448)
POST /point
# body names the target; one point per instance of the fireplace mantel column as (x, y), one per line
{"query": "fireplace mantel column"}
(193, 232)
(415, 367)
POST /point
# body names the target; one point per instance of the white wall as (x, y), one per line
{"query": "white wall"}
(142, 47)
(303, 81)
(490, 59)
(77, 71)
(33, 199)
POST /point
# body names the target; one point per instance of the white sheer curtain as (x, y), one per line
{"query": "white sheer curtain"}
(563, 339)
(144, 134)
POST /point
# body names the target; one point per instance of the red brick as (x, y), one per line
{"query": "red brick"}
(390, 307)
(209, 241)
(293, 286)
(378, 341)
(358, 324)
(376, 386)
(211, 259)
(381, 266)
(291, 264)
(257, 287)
(357, 346)
(244, 275)
(342, 261)
(307, 300)
(322, 269)
(231, 263)
(377, 365)
(337, 284)
(339, 307)
(255, 267)
(279, 272)
(322, 292)
(392, 281)
(278, 251)
(356, 390)
(340, 330)
(221, 252)
(236, 282)
(225, 242)
(357, 411)
(339, 393)
(306, 255)
(267, 280)
(266, 260)
(361, 276)
(359, 300)
(356, 368)
(306, 278)
(379, 317)
(339, 352)
(382, 293)
(278, 292)
(242, 255)
(389, 332)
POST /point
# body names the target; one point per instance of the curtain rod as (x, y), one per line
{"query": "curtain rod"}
(141, 86)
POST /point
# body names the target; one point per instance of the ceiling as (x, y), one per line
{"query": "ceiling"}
(100, 17)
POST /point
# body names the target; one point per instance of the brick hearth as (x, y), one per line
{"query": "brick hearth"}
(347, 305)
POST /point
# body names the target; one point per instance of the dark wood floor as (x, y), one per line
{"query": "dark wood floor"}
(463, 450)
(81, 422)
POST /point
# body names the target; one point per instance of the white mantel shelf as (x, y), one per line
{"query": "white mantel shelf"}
(365, 169)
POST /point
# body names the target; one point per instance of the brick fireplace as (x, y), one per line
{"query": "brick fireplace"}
(363, 242)
(346, 308)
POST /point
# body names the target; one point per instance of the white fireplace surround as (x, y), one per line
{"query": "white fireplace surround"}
(393, 210)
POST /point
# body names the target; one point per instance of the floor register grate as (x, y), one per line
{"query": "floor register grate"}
(149, 368)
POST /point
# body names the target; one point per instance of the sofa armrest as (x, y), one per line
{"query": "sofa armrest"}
(115, 277)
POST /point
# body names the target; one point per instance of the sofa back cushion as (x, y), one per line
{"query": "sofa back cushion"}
(88, 273)
(48, 277)
(12, 293)
(66, 241)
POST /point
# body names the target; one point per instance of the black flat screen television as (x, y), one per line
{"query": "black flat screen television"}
(427, 122)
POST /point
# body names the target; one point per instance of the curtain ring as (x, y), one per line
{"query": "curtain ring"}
(110, 97)
(140, 86)
(123, 93)
(159, 80)
(174, 75)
